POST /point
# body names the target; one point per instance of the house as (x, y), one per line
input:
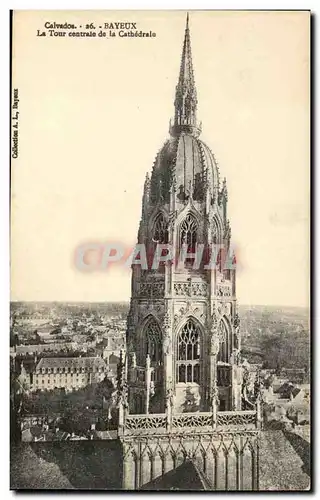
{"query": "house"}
(291, 392)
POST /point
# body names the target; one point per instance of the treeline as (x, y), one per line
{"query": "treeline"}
(286, 350)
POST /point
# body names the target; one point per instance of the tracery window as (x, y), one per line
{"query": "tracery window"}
(223, 354)
(153, 347)
(188, 232)
(188, 354)
(153, 339)
(160, 232)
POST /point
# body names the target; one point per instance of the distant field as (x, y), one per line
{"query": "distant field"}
(276, 336)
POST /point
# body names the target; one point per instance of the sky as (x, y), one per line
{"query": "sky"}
(93, 113)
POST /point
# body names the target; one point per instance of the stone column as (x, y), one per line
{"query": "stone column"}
(259, 413)
(167, 347)
(148, 381)
(234, 381)
(214, 396)
(213, 350)
(128, 469)
(121, 418)
(169, 404)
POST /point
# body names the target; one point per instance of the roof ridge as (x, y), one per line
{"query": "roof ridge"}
(202, 476)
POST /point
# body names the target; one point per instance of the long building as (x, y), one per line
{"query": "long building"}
(68, 373)
(21, 350)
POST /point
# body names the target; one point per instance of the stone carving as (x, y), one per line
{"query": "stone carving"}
(236, 322)
(167, 343)
(123, 395)
(199, 289)
(187, 288)
(156, 308)
(214, 344)
(258, 388)
(235, 357)
(152, 389)
(222, 331)
(223, 194)
(224, 309)
(166, 321)
(170, 394)
(224, 290)
(154, 289)
(181, 289)
(133, 360)
(176, 320)
(169, 400)
(227, 232)
(214, 319)
(191, 309)
(167, 333)
(148, 362)
(214, 396)
(130, 342)
(237, 420)
(171, 219)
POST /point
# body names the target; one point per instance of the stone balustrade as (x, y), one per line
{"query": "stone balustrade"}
(191, 422)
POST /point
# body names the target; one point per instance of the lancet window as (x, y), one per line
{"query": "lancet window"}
(223, 354)
(188, 232)
(153, 340)
(160, 231)
(189, 354)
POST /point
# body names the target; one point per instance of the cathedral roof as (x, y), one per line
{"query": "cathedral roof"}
(185, 477)
(187, 160)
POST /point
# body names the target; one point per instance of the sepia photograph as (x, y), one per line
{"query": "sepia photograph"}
(160, 250)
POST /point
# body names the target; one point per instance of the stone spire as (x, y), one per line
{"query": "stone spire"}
(185, 103)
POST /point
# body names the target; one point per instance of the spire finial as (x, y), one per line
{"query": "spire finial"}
(185, 103)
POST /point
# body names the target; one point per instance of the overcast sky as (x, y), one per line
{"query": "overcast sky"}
(95, 111)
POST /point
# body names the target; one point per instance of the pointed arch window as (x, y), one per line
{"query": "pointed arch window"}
(153, 348)
(153, 341)
(223, 354)
(160, 231)
(188, 232)
(189, 354)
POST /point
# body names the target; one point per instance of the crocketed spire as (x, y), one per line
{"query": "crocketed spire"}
(185, 103)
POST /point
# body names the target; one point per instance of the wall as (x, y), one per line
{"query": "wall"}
(229, 463)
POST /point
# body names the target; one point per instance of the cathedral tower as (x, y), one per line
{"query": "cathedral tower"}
(181, 372)
(183, 321)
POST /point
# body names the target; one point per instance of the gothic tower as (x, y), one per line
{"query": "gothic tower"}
(183, 342)
(183, 320)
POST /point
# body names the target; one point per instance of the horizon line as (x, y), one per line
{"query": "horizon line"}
(128, 302)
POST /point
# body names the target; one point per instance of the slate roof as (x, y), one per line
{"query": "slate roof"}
(89, 363)
(185, 477)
